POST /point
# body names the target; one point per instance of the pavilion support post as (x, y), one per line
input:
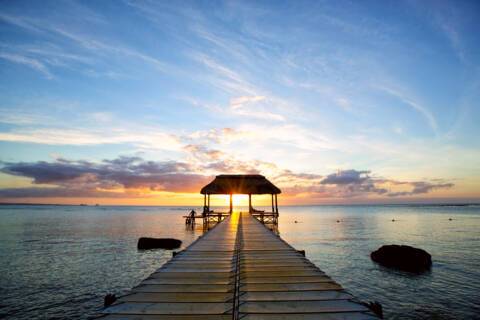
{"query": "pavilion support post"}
(273, 208)
(276, 204)
(231, 203)
(208, 203)
(204, 213)
(250, 203)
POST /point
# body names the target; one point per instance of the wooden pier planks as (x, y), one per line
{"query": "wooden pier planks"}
(238, 270)
(277, 282)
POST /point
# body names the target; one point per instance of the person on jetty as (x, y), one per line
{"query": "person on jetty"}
(190, 218)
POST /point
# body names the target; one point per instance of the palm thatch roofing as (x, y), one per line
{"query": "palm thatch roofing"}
(240, 184)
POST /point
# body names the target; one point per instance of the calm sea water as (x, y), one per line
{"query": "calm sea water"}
(59, 261)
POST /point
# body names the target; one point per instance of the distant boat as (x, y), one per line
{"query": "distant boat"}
(83, 204)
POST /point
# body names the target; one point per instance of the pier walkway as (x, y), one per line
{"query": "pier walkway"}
(238, 270)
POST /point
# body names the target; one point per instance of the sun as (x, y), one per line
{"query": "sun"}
(240, 200)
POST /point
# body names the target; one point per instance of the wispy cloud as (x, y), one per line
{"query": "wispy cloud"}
(224, 77)
(22, 22)
(425, 112)
(420, 187)
(104, 47)
(97, 47)
(448, 19)
(453, 36)
(215, 136)
(32, 63)
(247, 99)
(255, 107)
(21, 118)
(154, 140)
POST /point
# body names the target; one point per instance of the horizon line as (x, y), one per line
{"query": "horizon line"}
(440, 204)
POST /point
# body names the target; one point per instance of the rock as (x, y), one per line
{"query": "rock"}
(109, 299)
(158, 243)
(403, 257)
(375, 307)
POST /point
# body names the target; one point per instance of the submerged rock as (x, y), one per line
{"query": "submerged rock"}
(158, 243)
(403, 257)
(109, 299)
(375, 307)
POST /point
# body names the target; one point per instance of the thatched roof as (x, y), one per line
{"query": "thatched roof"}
(240, 184)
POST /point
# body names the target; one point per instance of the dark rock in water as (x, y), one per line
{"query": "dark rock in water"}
(375, 307)
(158, 243)
(403, 257)
(109, 299)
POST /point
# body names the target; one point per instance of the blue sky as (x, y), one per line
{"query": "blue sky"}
(384, 93)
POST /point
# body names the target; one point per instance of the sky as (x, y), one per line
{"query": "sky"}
(336, 102)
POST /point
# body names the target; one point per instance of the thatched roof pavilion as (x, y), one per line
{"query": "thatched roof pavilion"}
(241, 184)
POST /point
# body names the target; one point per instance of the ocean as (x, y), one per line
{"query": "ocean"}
(58, 262)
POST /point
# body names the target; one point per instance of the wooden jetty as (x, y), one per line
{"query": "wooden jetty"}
(238, 270)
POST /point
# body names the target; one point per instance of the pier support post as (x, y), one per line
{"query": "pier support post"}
(231, 203)
(204, 202)
(276, 205)
(249, 203)
(273, 208)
